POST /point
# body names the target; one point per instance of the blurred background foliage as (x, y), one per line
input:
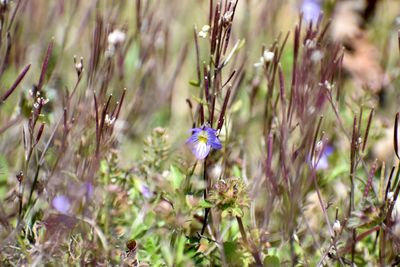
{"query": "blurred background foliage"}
(108, 181)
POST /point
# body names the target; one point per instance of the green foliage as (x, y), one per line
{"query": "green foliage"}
(133, 192)
(155, 151)
(230, 196)
(271, 261)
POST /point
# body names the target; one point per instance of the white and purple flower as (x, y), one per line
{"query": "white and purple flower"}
(202, 140)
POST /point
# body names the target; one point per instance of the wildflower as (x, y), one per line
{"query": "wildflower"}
(116, 37)
(320, 159)
(202, 34)
(336, 227)
(268, 56)
(202, 140)
(311, 10)
(61, 204)
(146, 192)
(204, 31)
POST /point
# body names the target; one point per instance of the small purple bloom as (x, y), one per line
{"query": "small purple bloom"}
(61, 204)
(202, 140)
(146, 192)
(311, 10)
(323, 163)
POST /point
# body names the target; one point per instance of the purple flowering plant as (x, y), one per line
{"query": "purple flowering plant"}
(202, 140)
(277, 172)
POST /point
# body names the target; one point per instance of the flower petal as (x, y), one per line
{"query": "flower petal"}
(200, 150)
(328, 150)
(214, 142)
(322, 163)
(194, 138)
(196, 130)
(211, 131)
(212, 139)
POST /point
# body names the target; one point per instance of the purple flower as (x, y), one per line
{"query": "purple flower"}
(61, 204)
(202, 140)
(311, 10)
(146, 192)
(322, 162)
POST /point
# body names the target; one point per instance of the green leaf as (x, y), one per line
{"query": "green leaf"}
(205, 204)
(232, 255)
(236, 171)
(194, 83)
(271, 261)
(176, 177)
(180, 247)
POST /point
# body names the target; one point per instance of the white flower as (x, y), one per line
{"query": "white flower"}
(205, 28)
(116, 37)
(202, 34)
(336, 226)
(268, 56)
(204, 31)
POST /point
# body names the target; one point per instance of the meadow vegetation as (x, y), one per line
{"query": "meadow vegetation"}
(199, 133)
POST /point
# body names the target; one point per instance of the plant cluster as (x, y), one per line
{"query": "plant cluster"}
(233, 143)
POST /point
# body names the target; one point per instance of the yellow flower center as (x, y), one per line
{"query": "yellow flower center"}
(203, 138)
